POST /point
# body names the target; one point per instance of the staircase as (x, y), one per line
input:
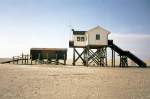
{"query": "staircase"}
(126, 53)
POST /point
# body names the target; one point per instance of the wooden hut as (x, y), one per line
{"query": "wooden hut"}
(93, 42)
(49, 54)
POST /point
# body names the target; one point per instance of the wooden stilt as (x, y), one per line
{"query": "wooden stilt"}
(86, 56)
(27, 58)
(73, 57)
(13, 60)
(112, 58)
(22, 58)
(64, 59)
(106, 56)
(56, 60)
(31, 59)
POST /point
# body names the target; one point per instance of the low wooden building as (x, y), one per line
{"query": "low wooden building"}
(49, 54)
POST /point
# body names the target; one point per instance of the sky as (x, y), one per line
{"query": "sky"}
(47, 23)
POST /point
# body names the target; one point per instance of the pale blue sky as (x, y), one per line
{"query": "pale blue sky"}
(45, 23)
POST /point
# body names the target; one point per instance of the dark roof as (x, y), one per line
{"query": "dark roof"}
(78, 32)
(50, 49)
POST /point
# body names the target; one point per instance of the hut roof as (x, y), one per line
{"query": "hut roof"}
(50, 49)
(79, 32)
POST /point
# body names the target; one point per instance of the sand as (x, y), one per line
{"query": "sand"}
(73, 82)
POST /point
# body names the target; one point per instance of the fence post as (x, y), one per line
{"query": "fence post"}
(13, 60)
(22, 58)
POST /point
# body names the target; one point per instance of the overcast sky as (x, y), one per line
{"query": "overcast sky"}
(47, 23)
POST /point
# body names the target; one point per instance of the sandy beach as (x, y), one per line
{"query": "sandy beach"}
(73, 82)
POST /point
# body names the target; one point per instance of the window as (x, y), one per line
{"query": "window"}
(78, 38)
(82, 39)
(97, 36)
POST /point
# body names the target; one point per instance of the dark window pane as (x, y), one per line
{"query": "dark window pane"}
(78, 38)
(82, 39)
(97, 36)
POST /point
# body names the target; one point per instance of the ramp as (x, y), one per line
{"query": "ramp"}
(128, 54)
(6, 62)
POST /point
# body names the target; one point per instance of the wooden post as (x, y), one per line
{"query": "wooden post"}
(65, 62)
(106, 56)
(31, 59)
(38, 58)
(56, 60)
(50, 61)
(73, 56)
(47, 58)
(87, 56)
(112, 58)
(22, 58)
(36, 61)
(99, 57)
(64, 59)
(17, 59)
(13, 60)
(27, 58)
(120, 61)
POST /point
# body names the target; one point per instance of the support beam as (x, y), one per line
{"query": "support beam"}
(86, 55)
(98, 57)
(31, 59)
(91, 55)
(112, 58)
(123, 61)
(106, 56)
(74, 57)
(22, 58)
(79, 55)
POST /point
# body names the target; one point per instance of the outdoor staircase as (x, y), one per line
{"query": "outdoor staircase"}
(128, 54)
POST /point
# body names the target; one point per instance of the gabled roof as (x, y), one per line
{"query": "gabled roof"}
(83, 32)
(108, 32)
